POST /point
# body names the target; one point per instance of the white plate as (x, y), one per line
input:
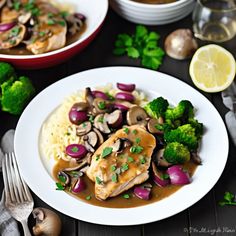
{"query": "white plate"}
(214, 148)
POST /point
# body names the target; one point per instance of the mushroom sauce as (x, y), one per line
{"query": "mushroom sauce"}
(36, 27)
(110, 151)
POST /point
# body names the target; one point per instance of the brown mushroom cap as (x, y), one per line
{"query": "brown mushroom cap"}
(83, 128)
(160, 159)
(91, 138)
(24, 17)
(180, 44)
(151, 125)
(101, 124)
(100, 137)
(136, 115)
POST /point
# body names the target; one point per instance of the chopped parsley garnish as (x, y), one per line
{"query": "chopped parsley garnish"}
(136, 149)
(130, 159)
(126, 196)
(98, 180)
(12, 41)
(101, 105)
(62, 178)
(142, 160)
(114, 178)
(61, 22)
(64, 14)
(229, 199)
(101, 119)
(138, 140)
(113, 168)
(84, 125)
(88, 197)
(106, 152)
(165, 176)
(60, 186)
(126, 130)
(97, 157)
(134, 131)
(51, 22)
(91, 118)
(42, 33)
(110, 97)
(14, 32)
(74, 149)
(124, 167)
(50, 15)
(16, 5)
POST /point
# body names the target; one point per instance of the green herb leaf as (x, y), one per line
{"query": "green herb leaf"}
(137, 140)
(101, 105)
(114, 178)
(106, 152)
(142, 160)
(141, 31)
(124, 167)
(74, 149)
(126, 130)
(135, 131)
(97, 157)
(113, 168)
(136, 149)
(133, 52)
(130, 159)
(62, 178)
(126, 196)
(60, 186)
(98, 180)
(88, 197)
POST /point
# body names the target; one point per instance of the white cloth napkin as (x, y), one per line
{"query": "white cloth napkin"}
(8, 225)
(230, 117)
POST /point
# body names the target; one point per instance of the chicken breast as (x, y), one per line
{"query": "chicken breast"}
(122, 161)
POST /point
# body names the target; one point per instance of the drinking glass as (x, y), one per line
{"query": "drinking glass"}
(214, 20)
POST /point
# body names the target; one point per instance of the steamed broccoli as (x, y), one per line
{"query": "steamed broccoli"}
(176, 153)
(185, 134)
(15, 94)
(180, 114)
(157, 107)
(197, 126)
(6, 72)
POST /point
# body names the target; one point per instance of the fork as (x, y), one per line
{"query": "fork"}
(18, 199)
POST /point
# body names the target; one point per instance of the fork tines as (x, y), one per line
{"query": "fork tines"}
(15, 188)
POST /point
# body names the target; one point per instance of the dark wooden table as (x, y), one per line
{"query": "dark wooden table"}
(206, 216)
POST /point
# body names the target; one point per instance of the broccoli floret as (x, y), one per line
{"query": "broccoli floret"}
(157, 107)
(176, 153)
(6, 72)
(16, 94)
(185, 134)
(180, 114)
(198, 127)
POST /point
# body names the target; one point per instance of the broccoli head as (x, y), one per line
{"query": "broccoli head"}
(6, 72)
(185, 134)
(198, 127)
(176, 153)
(157, 107)
(16, 94)
(180, 114)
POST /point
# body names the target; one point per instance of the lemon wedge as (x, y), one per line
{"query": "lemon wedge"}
(212, 68)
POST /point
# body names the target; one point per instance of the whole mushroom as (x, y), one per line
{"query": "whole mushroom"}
(48, 222)
(180, 44)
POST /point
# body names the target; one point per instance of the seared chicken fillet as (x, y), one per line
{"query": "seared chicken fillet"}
(122, 161)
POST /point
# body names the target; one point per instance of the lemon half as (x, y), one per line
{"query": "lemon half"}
(212, 68)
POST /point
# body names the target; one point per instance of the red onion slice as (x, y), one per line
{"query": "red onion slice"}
(178, 176)
(77, 117)
(7, 26)
(159, 177)
(76, 150)
(121, 107)
(125, 96)
(126, 87)
(143, 192)
(99, 94)
(79, 186)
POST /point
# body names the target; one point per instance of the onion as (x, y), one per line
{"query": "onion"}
(78, 186)
(158, 177)
(125, 96)
(99, 94)
(76, 151)
(77, 117)
(178, 176)
(126, 87)
(80, 16)
(143, 192)
(120, 107)
(7, 26)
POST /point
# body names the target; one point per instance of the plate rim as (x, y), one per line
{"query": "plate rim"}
(117, 213)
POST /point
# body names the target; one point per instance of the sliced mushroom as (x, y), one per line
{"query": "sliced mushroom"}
(89, 96)
(152, 126)
(196, 158)
(114, 119)
(100, 105)
(85, 161)
(2, 3)
(12, 37)
(136, 115)
(100, 137)
(83, 128)
(24, 17)
(117, 145)
(91, 138)
(89, 147)
(101, 124)
(161, 160)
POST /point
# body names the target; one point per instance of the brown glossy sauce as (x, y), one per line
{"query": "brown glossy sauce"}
(157, 192)
(155, 1)
(21, 49)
